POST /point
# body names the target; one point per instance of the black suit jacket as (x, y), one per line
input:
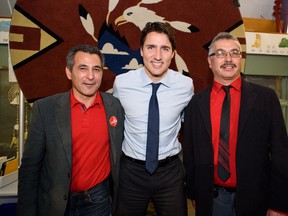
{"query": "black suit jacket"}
(45, 172)
(261, 153)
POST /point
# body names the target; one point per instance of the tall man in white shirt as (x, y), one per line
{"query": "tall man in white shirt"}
(164, 186)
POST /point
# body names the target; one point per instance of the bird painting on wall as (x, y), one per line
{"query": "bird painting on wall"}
(115, 27)
(113, 3)
(139, 16)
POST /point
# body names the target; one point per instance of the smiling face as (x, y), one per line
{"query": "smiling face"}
(225, 69)
(157, 54)
(86, 76)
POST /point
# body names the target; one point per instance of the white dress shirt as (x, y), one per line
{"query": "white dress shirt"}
(134, 90)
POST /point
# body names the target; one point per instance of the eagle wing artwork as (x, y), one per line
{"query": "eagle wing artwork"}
(42, 32)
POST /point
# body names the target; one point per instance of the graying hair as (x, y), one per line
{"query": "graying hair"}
(221, 36)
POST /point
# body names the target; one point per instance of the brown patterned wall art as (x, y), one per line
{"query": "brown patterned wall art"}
(42, 31)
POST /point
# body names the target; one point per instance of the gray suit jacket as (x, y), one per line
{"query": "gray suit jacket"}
(45, 172)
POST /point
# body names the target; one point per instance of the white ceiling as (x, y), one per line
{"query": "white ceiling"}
(257, 8)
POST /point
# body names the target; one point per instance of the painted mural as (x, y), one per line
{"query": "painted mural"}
(42, 31)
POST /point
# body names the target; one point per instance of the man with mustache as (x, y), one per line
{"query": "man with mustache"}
(240, 167)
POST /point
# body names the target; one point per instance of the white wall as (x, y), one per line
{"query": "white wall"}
(257, 8)
(6, 7)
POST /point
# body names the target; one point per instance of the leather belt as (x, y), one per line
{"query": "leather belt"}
(162, 162)
(227, 189)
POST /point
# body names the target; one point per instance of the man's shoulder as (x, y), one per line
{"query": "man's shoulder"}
(178, 79)
(129, 79)
(262, 90)
(178, 75)
(203, 92)
(131, 74)
(107, 96)
(54, 97)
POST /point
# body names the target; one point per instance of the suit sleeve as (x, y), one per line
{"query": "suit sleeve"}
(279, 158)
(188, 150)
(29, 171)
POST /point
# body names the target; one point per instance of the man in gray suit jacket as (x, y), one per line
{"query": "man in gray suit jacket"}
(256, 181)
(72, 153)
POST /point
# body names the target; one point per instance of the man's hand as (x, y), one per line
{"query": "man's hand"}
(193, 204)
(274, 213)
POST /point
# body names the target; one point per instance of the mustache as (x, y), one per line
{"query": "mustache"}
(228, 64)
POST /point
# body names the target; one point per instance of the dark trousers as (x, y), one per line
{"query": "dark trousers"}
(165, 188)
(93, 202)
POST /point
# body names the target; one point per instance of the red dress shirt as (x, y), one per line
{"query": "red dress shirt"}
(216, 100)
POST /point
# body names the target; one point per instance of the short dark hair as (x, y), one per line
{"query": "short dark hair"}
(160, 28)
(83, 48)
(221, 36)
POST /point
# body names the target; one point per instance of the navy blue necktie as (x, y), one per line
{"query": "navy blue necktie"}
(223, 150)
(152, 148)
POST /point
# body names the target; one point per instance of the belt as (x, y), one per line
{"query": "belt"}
(96, 187)
(227, 189)
(162, 162)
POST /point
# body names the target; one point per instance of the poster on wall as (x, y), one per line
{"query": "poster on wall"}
(266, 43)
(4, 30)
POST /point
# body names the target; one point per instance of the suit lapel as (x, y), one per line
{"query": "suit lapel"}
(204, 106)
(108, 105)
(248, 97)
(63, 121)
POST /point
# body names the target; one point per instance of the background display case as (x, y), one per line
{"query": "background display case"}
(267, 64)
(9, 133)
(9, 107)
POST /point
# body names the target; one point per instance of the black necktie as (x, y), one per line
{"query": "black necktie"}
(153, 131)
(223, 150)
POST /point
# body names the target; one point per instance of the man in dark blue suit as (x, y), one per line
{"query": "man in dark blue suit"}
(72, 154)
(257, 156)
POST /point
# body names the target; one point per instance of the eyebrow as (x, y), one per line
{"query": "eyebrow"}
(162, 46)
(84, 65)
(97, 66)
(165, 46)
(227, 50)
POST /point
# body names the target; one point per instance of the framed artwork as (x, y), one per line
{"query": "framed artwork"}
(39, 43)
(4, 30)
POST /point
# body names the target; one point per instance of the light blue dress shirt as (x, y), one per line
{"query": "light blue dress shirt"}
(134, 90)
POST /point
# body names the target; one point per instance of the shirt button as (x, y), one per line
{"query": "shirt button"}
(65, 197)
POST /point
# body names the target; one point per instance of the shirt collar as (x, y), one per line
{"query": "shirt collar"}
(74, 101)
(236, 84)
(147, 81)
